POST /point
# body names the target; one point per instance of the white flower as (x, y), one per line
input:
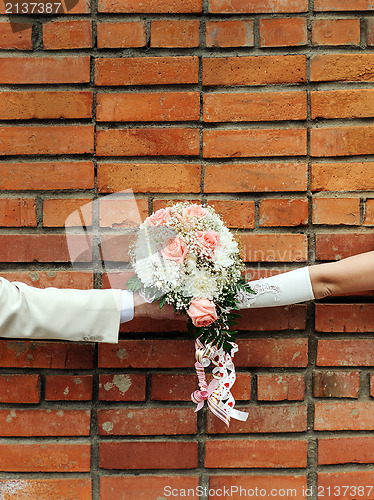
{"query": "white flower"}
(200, 285)
(222, 258)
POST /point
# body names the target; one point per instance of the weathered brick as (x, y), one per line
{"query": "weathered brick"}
(355, 416)
(340, 245)
(19, 388)
(149, 177)
(342, 5)
(256, 177)
(176, 33)
(257, 483)
(345, 352)
(68, 388)
(148, 107)
(272, 353)
(372, 385)
(148, 455)
(256, 453)
(336, 211)
(69, 212)
(20, 422)
(254, 70)
(53, 140)
(255, 106)
(283, 32)
(353, 103)
(272, 387)
(145, 70)
(283, 212)
(254, 142)
(254, 7)
(17, 212)
(345, 318)
(358, 176)
(358, 450)
(238, 214)
(58, 489)
(122, 387)
(58, 279)
(342, 141)
(369, 213)
(274, 247)
(141, 421)
(151, 7)
(50, 104)
(336, 32)
(80, 7)
(175, 387)
(18, 38)
(147, 142)
(75, 34)
(340, 479)
(122, 212)
(342, 68)
(271, 419)
(44, 70)
(44, 457)
(336, 384)
(121, 35)
(229, 33)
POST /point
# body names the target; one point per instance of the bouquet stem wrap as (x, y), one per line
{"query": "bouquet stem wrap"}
(218, 394)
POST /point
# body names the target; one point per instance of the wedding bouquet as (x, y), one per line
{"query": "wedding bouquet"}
(184, 255)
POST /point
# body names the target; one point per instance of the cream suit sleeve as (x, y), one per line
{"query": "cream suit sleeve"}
(63, 314)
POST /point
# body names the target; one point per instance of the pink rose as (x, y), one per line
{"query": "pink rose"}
(174, 249)
(208, 239)
(194, 211)
(159, 217)
(202, 312)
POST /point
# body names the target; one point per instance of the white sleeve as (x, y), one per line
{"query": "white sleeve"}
(279, 290)
(127, 306)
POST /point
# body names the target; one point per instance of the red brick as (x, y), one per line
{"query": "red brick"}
(229, 34)
(81, 7)
(148, 142)
(283, 32)
(274, 247)
(179, 34)
(370, 33)
(342, 5)
(369, 213)
(342, 141)
(272, 353)
(340, 245)
(345, 352)
(339, 479)
(329, 384)
(147, 354)
(141, 421)
(148, 107)
(67, 212)
(68, 388)
(254, 7)
(354, 416)
(237, 484)
(19, 422)
(25, 105)
(345, 318)
(358, 176)
(15, 35)
(58, 279)
(271, 387)
(336, 211)
(44, 70)
(283, 212)
(355, 103)
(122, 212)
(115, 248)
(254, 70)
(166, 202)
(46, 140)
(122, 387)
(17, 212)
(58, 489)
(282, 318)
(143, 486)
(238, 214)
(255, 453)
(121, 35)
(75, 34)
(342, 67)
(148, 455)
(17, 388)
(174, 387)
(372, 385)
(255, 106)
(336, 32)
(346, 450)
(58, 355)
(256, 177)
(270, 419)
(254, 142)
(46, 175)
(146, 70)
(149, 177)
(45, 457)
(151, 7)
(44, 248)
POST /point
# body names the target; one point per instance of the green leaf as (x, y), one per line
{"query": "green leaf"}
(134, 283)
(163, 301)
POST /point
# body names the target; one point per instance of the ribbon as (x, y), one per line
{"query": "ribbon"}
(218, 394)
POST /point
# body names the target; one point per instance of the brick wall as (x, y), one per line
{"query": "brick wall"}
(262, 108)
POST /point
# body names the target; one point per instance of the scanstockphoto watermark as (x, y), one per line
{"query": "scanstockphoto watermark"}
(235, 491)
